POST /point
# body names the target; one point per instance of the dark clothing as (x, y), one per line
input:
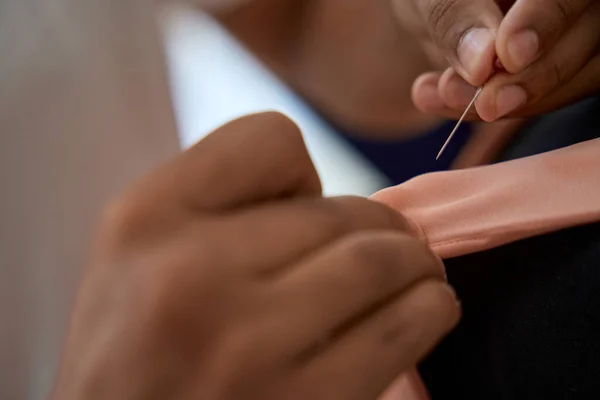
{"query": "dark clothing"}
(531, 322)
(401, 160)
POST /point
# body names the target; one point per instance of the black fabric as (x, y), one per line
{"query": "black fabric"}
(531, 322)
(401, 160)
(574, 124)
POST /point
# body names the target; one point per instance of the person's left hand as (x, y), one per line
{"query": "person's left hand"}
(549, 48)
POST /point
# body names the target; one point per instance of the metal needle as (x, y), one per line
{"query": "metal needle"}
(459, 122)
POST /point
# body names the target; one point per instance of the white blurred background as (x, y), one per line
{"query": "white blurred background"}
(214, 79)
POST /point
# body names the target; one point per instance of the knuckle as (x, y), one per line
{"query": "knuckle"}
(557, 75)
(395, 329)
(124, 217)
(381, 214)
(273, 129)
(438, 11)
(441, 300)
(375, 257)
(441, 17)
(335, 221)
(565, 9)
(546, 76)
(423, 258)
(174, 290)
(553, 76)
(353, 212)
(283, 131)
(285, 138)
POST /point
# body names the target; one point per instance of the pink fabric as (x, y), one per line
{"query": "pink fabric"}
(466, 211)
(407, 387)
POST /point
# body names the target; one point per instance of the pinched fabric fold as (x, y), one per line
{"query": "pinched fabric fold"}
(475, 209)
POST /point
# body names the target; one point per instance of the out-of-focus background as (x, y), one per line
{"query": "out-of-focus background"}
(214, 79)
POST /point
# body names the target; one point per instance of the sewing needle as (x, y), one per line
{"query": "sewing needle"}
(459, 122)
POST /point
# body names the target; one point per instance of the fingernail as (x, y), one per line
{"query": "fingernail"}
(508, 99)
(523, 48)
(472, 48)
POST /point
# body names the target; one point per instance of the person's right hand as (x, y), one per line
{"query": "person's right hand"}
(225, 275)
(549, 48)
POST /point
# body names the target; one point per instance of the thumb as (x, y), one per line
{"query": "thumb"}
(465, 31)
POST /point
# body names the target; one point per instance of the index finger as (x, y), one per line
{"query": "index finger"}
(251, 159)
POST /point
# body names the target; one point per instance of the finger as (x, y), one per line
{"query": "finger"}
(364, 361)
(532, 27)
(456, 92)
(339, 284)
(427, 97)
(506, 93)
(251, 159)
(464, 31)
(425, 94)
(299, 226)
(584, 84)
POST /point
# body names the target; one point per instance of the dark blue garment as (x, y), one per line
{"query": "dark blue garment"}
(401, 160)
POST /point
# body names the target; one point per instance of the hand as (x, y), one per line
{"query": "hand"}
(226, 275)
(549, 48)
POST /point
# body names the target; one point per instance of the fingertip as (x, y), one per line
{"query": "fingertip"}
(427, 99)
(425, 94)
(518, 50)
(485, 106)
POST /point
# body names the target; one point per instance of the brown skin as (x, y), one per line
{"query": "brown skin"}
(357, 59)
(349, 58)
(557, 63)
(226, 275)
